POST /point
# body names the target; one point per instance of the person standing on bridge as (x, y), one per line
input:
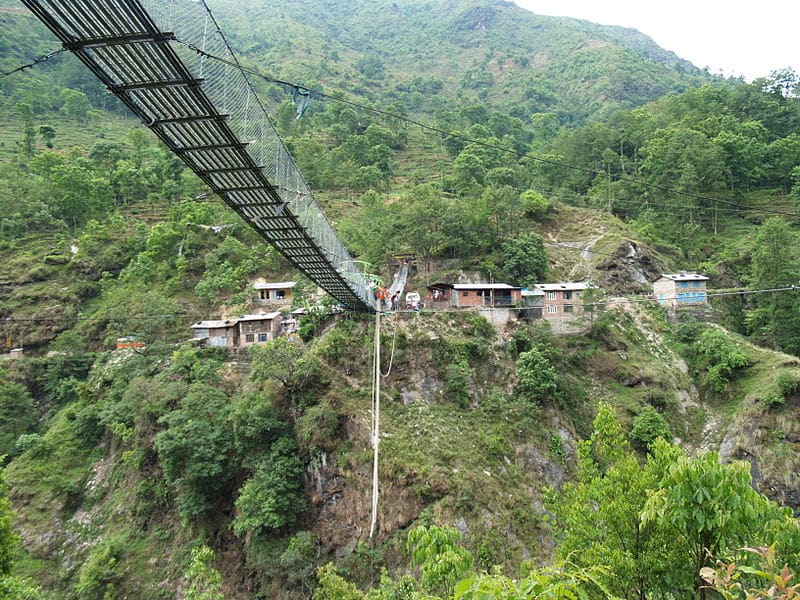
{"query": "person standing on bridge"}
(394, 300)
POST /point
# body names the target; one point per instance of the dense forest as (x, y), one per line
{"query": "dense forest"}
(645, 457)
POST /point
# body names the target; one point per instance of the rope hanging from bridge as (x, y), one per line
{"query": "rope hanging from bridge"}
(376, 420)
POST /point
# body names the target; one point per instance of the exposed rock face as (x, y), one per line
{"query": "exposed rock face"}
(344, 510)
(629, 271)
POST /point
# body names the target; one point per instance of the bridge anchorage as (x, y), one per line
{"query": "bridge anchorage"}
(208, 114)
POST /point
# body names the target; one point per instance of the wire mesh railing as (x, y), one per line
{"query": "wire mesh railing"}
(197, 98)
(232, 93)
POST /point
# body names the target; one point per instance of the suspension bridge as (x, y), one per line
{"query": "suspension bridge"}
(155, 56)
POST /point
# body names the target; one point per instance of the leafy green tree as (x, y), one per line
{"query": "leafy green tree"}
(597, 515)
(272, 498)
(683, 159)
(525, 259)
(370, 66)
(298, 560)
(536, 376)
(714, 510)
(228, 267)
(288, 363)
(474, 162)
(443, 562)
(27, 144)
(648, 426)
(533, 204)
(195, 448)
(498, 214)
(775, 317)
(75, 105)
(75, 191)
(782, 158)
(594, 305)
(557, 582)
(425, 219)
(744, 147)
(333, 586)
(48, 134)
(743, 582)
(719, 357)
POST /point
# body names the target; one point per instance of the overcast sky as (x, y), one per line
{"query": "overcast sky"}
(734, 37)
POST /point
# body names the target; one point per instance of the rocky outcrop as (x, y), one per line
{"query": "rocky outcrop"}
(629, 270)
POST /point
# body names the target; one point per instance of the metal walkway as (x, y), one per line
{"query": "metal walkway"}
(208, 114)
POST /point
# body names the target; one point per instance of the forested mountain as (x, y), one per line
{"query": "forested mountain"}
(493, 145)
(421, 53)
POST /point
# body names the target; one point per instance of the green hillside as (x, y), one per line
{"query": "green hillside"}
(426, 53)
(505, 147)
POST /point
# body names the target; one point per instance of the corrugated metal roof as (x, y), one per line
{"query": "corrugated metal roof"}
(567, 285)
(484, 286)
(281, 285)
(260, 317)
(214, 324)
(685, 276)
(532, 292)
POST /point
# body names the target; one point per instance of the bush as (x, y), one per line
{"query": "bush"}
(536, 375)
(195, 449)
(719, 356)
(787, 384)
(656, 398)
(648, 426)
(99, 576)
(318, 426)
(26, 442)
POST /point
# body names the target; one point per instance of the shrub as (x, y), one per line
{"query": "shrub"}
(317, 428)
(656, 398)
(536, 375)
(27, 441)
(99, 575)
(719, 356)
(787, 384)
(648, 426)
(204, 581)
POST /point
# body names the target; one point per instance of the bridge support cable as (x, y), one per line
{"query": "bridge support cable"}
(376, 420)
(208, 113)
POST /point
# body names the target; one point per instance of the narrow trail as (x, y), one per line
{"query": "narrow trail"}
(580, 269)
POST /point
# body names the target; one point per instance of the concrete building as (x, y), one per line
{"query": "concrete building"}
(562, 300)
(485, 294)
(279, 293)
(680, 289)
(217, 333)
(533, 302)
(240, 332)
(259, 328)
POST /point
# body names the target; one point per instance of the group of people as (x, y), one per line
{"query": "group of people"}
(382, 296)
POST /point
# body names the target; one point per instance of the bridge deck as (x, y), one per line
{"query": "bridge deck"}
(212, 119)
